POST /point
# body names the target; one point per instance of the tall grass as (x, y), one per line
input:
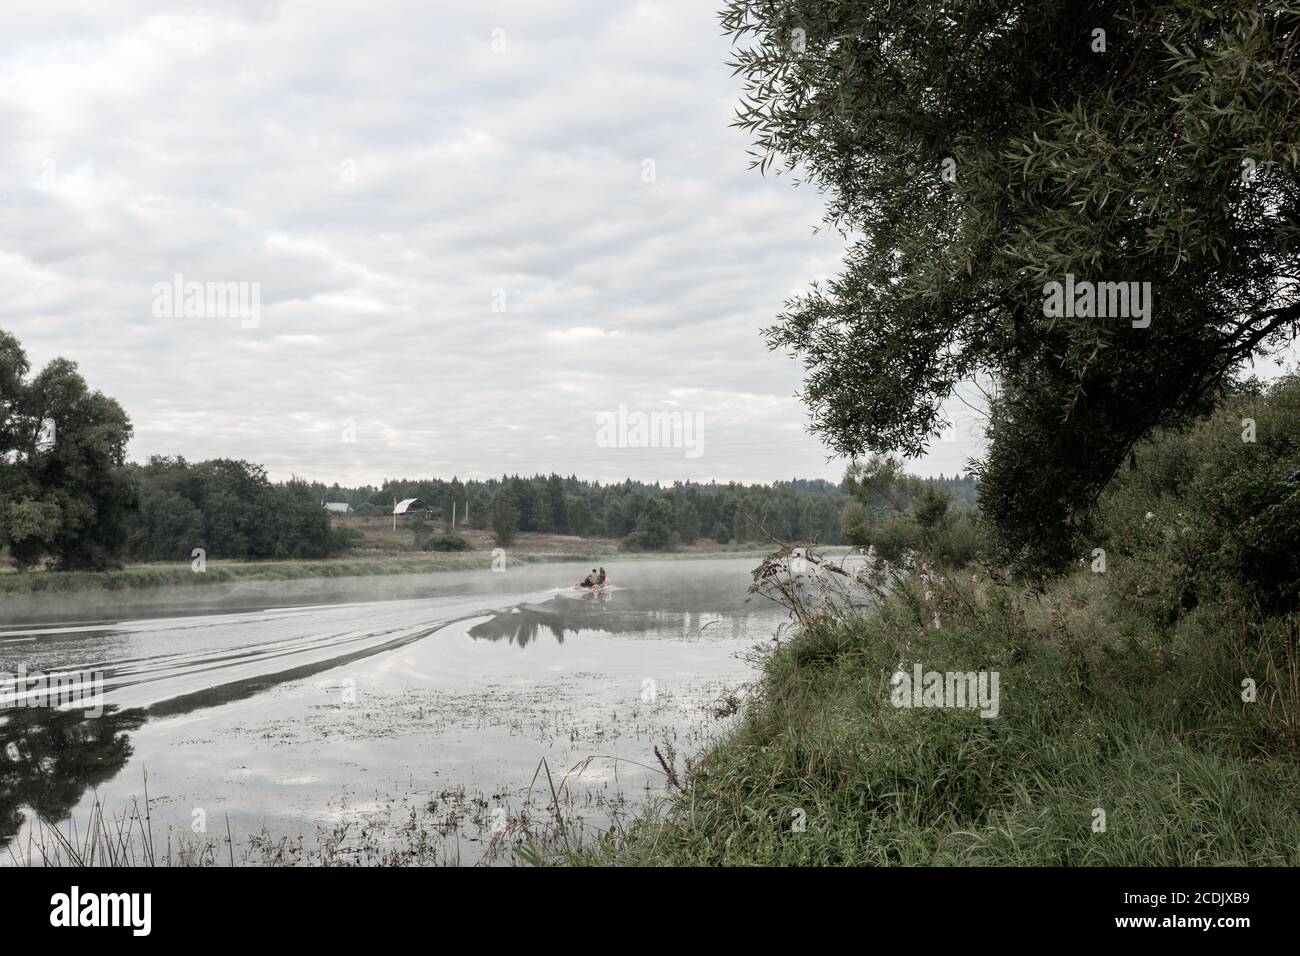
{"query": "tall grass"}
(1098, 713)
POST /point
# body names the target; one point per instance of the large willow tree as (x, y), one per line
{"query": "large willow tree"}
(973, 152)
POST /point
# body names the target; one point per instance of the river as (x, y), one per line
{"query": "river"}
(441, 729)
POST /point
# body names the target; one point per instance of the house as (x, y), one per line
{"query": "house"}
(337, 507)
(409, 506)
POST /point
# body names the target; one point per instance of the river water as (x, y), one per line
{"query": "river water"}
(439, 729)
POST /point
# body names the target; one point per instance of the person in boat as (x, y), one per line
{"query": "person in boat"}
(600, 577)
(589, 581)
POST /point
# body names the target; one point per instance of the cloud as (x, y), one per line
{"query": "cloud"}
(472, 229)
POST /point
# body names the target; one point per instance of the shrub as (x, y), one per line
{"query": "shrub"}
(855, 523)
(346, 538)
(647, 541)
(959, 540)
(895, 536)
(505, 517)
(1210, 515)
(445, 542)
(930, 508)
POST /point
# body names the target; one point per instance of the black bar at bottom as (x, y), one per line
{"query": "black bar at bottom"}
(334, 906)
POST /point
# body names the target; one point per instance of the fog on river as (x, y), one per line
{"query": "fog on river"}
(399, 730)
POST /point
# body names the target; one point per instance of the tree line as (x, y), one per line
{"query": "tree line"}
(228, 508)
(645, 516)
(69, 499)
(682, 512)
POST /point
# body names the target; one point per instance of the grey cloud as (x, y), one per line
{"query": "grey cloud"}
(381, 175)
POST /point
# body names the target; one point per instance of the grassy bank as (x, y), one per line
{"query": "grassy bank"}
(1155, 690)
(151, 576)
(142, 577)
(1098, 711)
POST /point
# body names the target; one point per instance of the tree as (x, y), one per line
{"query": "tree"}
(880, 484)
(856, 524)
(302, 526)
(167, 525)
(686, 521)
(481, 509)
(579, 516)
(979, 153)
(616, 517)
(64, 495)
(524, 496)
(654, 527)
(228, 508)
(930, 508)
(555, 508)
(505, 516)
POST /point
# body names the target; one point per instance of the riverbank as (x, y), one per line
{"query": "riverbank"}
(528, 549)
(180, 588)
(1115, 743)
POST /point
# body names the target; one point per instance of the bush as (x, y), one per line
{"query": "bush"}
(960, 540)
(952, 537)
(445, 542)
(720, 533)
(856, 524)
(346, 538)
(647, 541)
(505, 517)
(930, 508)
(897, 535)
(938, 786)
(1210, 515)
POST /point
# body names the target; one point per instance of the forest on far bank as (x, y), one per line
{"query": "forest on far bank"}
(237, 512)
(69, 499)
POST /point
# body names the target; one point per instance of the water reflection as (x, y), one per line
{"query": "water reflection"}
(560, 616)
(49, 758)
(446, 707)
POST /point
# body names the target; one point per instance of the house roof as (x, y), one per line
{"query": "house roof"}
(409, 504)
(337, 506)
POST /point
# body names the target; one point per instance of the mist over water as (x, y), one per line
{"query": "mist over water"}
(665, 577)
(425, 714)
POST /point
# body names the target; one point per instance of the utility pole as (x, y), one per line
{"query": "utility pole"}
(394, 512)
(453, 516)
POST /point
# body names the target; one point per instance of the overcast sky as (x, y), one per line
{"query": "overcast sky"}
(473, 228)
